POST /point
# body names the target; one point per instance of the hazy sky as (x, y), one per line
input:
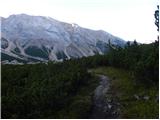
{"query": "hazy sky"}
(127, 19)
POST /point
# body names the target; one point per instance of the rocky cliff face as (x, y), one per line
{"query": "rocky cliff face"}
(37, 38)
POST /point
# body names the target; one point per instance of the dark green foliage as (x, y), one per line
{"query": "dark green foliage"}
(36, 52)
(102, 46)
(41, 90)
(17, 50)
(52, 90)
(6, 57)
(156, 15)
(93, 61)
(61, 55)
(147, 68)
(10, 58)
(124, 57)
(142, 59)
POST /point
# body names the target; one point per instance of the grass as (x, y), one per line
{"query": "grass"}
(124, 88)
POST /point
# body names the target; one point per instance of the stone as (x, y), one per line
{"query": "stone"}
(109, 106)
(137, 97)
(146, 97)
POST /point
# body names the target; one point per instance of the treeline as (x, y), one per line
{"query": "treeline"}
(142, 59)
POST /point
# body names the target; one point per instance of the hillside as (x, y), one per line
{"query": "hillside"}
(71, 88)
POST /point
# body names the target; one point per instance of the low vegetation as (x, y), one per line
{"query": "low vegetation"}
(64, 90)
(136, 100)
(50, 90)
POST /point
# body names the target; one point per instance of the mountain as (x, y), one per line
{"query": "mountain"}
(37, 38)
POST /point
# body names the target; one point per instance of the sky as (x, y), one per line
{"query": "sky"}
(127, 19)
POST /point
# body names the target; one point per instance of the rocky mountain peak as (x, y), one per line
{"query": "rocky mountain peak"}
(43, 38)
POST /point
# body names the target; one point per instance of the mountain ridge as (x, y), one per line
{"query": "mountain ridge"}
(44, 38)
